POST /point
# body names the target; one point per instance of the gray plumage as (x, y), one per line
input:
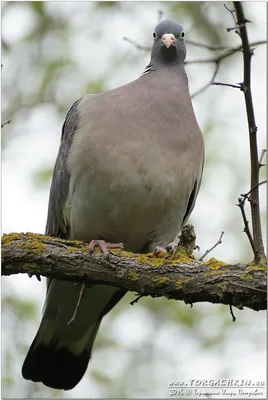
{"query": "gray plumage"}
(128, 170)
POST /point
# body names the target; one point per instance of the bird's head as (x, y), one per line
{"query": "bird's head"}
(169, 47)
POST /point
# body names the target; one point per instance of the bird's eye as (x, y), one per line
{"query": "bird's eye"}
(154, 35)
(182, 34)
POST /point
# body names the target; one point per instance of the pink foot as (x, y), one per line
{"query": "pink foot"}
(170, 249)
(104, 246)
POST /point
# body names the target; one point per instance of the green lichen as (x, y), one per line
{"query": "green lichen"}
(187, 280)
(33, 245)
(31, 268)
(73, 249)
(133, 276)
(150, 259)
(8, 239)
(222, 289)
(159, 281)
(217, 272)
(140, 258)
(183, 282)
(262, 266)
(246, 277)
(214, 264)
(183, 257)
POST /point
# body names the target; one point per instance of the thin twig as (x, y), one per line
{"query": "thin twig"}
(232, 12)
(251, 190)
(207, 46)
(224, 55)
(241, 205)
(258, 248)
(208, 83)
(160, 15)
(5, 123)
(217, 61)
(226, 84)
(232, 313)
(136, 45)
(234, 28)
(78, 303)
(261, 158)
(139, 296)
(213, 247)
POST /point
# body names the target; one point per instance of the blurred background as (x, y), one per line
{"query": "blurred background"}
(53, 53)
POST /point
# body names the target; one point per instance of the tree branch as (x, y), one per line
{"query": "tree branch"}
(5, 123)
(227, 84)
(223, 55)
(181, 278)
(210, 82)
(258, 248)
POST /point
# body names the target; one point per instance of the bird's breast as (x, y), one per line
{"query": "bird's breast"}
(126, 197)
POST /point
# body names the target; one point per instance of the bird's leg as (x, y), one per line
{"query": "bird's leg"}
(105, 246)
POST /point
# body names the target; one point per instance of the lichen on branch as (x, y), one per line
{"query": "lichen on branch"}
(181, 277)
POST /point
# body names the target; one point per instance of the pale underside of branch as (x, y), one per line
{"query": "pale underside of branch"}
(180, 277)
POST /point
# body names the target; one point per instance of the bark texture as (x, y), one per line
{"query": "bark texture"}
(180, 277)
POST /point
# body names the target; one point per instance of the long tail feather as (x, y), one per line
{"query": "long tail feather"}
(60, 352)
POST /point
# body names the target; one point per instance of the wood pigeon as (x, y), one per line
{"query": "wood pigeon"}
(128, 171)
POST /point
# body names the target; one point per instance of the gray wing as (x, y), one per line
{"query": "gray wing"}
(60, 352)
(57, 223)
(193, 195)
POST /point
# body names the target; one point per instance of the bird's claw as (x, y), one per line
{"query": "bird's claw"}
(170, 249)
(104, 246)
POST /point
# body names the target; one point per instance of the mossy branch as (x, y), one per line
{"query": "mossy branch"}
(180, 278)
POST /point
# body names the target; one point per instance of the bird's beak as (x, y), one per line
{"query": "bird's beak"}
(168, 39)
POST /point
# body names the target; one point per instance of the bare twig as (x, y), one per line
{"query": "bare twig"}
(209, 82)
(261, 158)
(258, 249)
(232, 313)
(139, 296)
(213, 247)
(250, 191)
(5, 123)
(241, 205)
(232, 12)
(78, 303)
(136, 45)
(206, 46)
(224, 55)
(217, 61)
(227, 84)
(234, 28)
(160, 15)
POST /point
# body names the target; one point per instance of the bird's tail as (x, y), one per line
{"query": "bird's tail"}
(60, 352)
